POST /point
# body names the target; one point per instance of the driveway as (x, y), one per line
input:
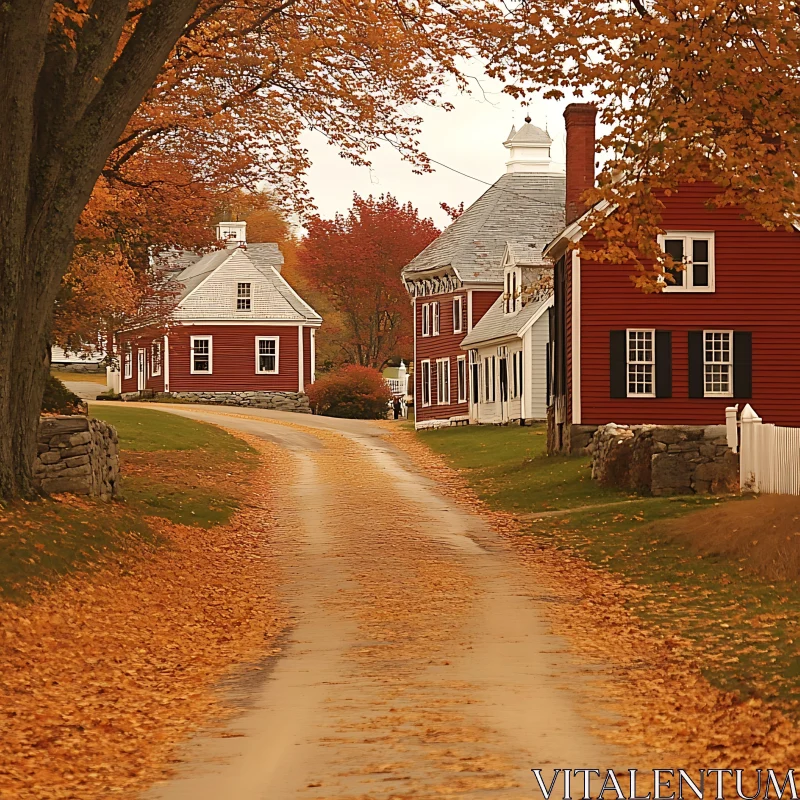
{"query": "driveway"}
(419, 664)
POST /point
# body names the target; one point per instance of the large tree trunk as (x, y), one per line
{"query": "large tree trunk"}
(64, 102)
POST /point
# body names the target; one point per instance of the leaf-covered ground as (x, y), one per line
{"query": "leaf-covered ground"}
(120, 619)
(704, 650)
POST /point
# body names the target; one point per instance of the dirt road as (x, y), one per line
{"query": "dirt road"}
(419, 664)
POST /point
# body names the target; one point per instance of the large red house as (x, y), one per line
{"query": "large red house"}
(727, 332)
(458, 277)
(239, 328)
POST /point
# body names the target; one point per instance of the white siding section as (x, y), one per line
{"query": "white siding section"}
(536, 386)
(215, 298)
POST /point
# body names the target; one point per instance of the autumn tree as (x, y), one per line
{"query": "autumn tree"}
(687, 92)
(355, 260)
(88, 87)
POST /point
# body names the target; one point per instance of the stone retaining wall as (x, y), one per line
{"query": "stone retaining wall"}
(80, 367)
(665, 460)
(281, 401)
(77, 455)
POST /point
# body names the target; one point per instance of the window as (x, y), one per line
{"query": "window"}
(641, 363)
(201, 355)
(696, 251)
(508, 292)
(243, 297)
(266, 355)
(516, 373)
(489, 375)
(458, 316)
(426, 383)
(443, 381)
(435, 318)
(514, 291)
(128, 361)
(155, 359)
(461, 378)
(426, 319)
(717, 363)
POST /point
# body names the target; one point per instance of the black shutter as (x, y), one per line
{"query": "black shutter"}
(696, 369)
(742, 364)
(663, 364)
(503, 379)
(476, 397)
(618, 363)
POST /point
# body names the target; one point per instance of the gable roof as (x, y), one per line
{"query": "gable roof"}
(524, 206)
(527, 254)
(494, 324)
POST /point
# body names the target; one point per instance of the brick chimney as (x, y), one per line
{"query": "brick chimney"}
(580, 121)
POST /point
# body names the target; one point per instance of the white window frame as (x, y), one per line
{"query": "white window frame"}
(210, 370)
(728, 364)
(688, 238)
(277, 342)
(458, 316)
(435, 319)
(127, 358)
(425, 367)
(651, 362)
(242, 298)
(426, 319)
(462, 378)
(489, 379)
(155, 363)
(443, 386)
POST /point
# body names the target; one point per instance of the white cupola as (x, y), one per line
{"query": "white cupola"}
(234, 234)
(529, 149)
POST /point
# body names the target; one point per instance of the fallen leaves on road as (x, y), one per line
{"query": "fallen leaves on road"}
(102, 676)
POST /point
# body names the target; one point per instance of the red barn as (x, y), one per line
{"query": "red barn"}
(456, 279)
(240, 334)
(726, 333)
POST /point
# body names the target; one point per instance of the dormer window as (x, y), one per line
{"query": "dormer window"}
(243, 297)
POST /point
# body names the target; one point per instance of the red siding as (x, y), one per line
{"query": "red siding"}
(757, 290)
(568, 337)
(233, 365)
(141, 341)
(446, 345)
(306, 356)
(481, 303)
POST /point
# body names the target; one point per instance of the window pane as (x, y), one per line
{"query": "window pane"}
(700, 250)
(674, 248)
(700, 274)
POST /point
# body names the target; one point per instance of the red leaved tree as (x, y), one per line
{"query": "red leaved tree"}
(355, 261)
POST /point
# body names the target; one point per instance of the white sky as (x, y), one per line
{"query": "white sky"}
(469, 138)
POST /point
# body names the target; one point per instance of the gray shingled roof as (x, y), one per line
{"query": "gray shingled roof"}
(195, 274)
(494, 324)
(265, 254)
(528, 134)
(529, 253)
(521, 206)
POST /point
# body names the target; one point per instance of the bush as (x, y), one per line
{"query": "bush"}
(60, 400)
(353, 392)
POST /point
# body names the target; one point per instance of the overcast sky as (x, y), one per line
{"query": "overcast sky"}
(469, 139)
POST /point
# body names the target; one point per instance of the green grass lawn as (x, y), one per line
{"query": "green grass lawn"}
(744, 628)
(175, 468)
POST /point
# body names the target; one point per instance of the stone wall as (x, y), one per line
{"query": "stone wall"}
(77, 455)
(280, 401)
(665, 460)
(80, 367)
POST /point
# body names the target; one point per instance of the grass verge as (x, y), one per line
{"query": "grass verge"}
(180, 470)
(742, 627)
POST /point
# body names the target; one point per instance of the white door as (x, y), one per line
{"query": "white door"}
(141, 374)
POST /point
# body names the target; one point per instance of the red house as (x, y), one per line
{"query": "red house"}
(239, 335)
(456, 279)
(727, 332)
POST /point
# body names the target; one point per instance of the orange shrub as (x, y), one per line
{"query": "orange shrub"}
(354, 392)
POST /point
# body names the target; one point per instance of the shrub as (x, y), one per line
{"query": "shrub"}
(353, 392)
(60, 400)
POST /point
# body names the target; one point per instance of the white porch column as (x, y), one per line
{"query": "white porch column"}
(166, 362)
(300, 365)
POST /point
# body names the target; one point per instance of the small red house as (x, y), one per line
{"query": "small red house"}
(239, 327)
(727, 332)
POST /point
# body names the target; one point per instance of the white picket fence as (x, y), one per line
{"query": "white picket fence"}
(769, 455)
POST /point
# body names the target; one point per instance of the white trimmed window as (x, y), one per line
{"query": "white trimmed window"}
(641, 363)
(426, 319)
(516, 374)
(435, 319)
(266, 355)
(128, 361)
(718, 363)
(202, 355)
(458, 314)
(155, 359)
(461, 378)
(489, 377)
(244, 297)
(443, 381)
(426, 383)
(694, 249)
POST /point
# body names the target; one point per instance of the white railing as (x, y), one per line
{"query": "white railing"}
(769, 455)
(399, 386)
